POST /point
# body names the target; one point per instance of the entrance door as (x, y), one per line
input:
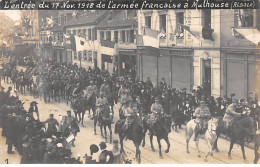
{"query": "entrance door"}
(206, 76)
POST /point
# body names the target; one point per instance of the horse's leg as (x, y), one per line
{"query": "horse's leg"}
(168, 144)
(230, 148)
(188, 136)
(151, 142)
(256, 155)
(101, 130)
(144, 137)
(82, 121)
(137, 153)
(105, 130)
(95, 124)
(197, 146)
(160, 146)
(110, 129)
(215, 147)
(242, 145)
(122, 150)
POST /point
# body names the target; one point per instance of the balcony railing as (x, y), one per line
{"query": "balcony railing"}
(107, 43)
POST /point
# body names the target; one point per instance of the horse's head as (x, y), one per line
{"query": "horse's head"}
(213, 123)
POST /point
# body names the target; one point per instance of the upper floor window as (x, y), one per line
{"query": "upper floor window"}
(102, 35)
(243, 18)
(148, 21)
(74, 32)
(108, 35)
(65, 19)
(206, 18)
(89, 34)
(162, 19)
(94, 34)
(123, 36)
(116, 36)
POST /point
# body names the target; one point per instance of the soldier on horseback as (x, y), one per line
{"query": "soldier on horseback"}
(101, 104)
(231, 115)
(91, 90)
(130, 114)
(156, 110)
(202, 115)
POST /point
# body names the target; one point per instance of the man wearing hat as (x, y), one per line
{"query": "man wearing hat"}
(52, 125)
(100, 104)
(202, 115)
(231, 115)
(33, 108)
(156, 110)
(129, 113)
(105, 88)
(91, 89)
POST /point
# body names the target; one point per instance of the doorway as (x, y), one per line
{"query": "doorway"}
(206, 76)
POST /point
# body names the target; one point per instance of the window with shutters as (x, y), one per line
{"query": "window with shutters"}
(94, 34)
(148, 22)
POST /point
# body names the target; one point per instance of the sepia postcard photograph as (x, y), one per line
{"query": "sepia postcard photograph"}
(129, 82)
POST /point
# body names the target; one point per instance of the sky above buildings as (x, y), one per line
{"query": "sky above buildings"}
(12, 14)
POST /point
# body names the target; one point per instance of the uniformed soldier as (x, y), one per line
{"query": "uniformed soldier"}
(52, 125)
(231, 115)
(105, 88)
(100, 104)
(156, 110)
(130, 113)
(202, 115)
(91, 89)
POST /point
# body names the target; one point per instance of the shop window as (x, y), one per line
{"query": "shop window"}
(116, 36)
(148, 22)
(162, 19)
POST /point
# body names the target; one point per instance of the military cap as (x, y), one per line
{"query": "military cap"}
(157, 99)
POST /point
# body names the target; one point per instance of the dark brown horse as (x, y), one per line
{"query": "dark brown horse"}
(159, 130)
(242, 129)
(79, 106)
(135, 133)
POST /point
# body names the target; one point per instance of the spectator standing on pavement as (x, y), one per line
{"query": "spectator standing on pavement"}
(52, 125)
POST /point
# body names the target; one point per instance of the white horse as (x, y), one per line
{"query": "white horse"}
(210, 135)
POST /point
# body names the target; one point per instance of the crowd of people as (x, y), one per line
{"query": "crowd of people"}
(68, 81)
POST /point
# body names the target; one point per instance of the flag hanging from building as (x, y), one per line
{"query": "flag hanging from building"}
(78, 43)
(149, 38)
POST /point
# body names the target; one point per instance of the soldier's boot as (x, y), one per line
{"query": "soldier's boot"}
(9, 149)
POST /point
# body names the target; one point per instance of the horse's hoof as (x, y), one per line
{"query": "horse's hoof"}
(217, 150)
(188, 151)
(161, 157)
(166, 151)
(153, 149)
(199, 156)
(211, 154)
(95, 133)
